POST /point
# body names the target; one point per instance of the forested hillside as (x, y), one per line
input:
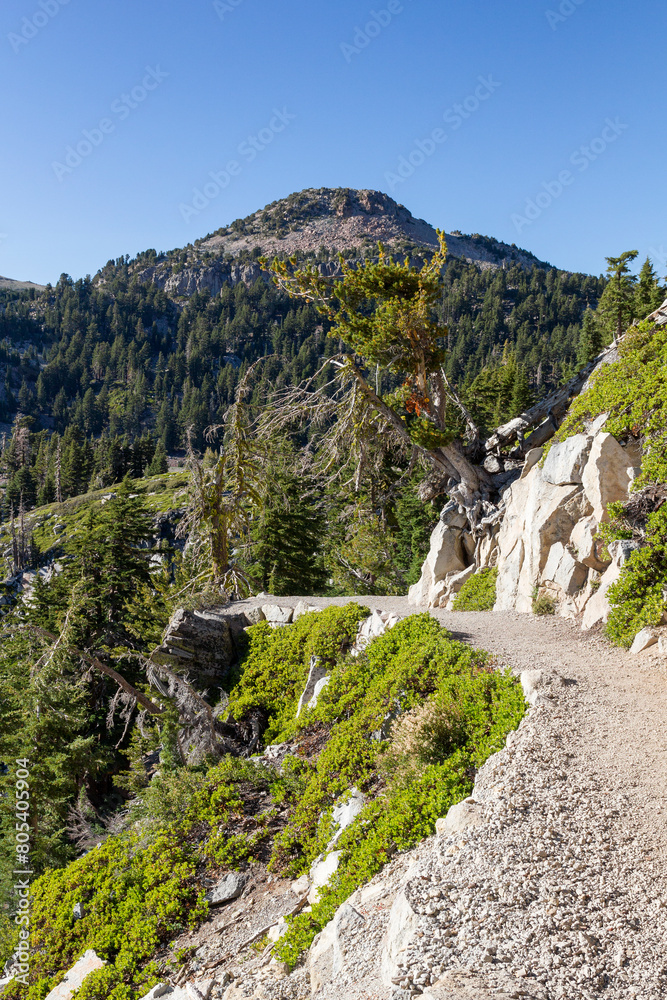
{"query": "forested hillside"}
(107, 370)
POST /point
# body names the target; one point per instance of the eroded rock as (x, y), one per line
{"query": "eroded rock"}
(607, 476)
(566, 460)
(461, 816)
(446, 555)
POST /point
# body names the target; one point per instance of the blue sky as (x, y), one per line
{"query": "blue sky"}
(557, 143)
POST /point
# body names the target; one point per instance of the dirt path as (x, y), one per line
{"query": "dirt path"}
(605, 736)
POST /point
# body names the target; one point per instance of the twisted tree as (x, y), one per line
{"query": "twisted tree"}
(383, 312)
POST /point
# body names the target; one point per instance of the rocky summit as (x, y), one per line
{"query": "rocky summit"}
(318, 223)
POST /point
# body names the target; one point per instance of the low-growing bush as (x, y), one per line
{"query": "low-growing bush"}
(457, 712)
(544, 604)
(275, 668)
(479, 592)
(407, 722)
(639, 597)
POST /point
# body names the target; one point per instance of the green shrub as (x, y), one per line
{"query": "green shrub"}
(478, 593)
(633, 391)
(473, 713)
(136, 898)
(275, 667)
(544, 604)
(639, 597)
(407, 722)
(465, 711)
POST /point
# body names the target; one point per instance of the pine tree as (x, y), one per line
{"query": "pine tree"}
(590, 341)
(617, 305)
(522, 395)
(158, 465)
(649, 294)
(110, 568)
(286, 546)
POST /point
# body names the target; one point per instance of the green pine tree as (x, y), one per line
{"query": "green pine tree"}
(590, 341)
(159, 464)
(649, 293)
(285, 548)
(617, 305)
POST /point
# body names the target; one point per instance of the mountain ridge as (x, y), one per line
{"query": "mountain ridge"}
(318, 224)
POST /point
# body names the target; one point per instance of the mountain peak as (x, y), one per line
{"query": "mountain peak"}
(345, 219)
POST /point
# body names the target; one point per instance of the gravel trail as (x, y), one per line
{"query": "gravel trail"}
(562, 892)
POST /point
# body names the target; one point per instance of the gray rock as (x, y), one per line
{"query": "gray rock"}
(229, 887)
(564, 570)
(255, 616)
(274, 613)
(566, 460)
(532, 458)
(446, 555)
(328, 956)
(461, 816)
(199, 642)
(606, 477)
(303, 609)
(621, 550)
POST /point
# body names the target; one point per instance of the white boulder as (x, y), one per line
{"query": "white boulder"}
(275, 614)
(598, 608)
(538, 515)
(566, 460)
(89, 962)
(588, 548)
(563, 570)
(318, 689)
(316, 674)
(346, 811)
(607, 475)
(321, 871)
(647, 637)
(460, 816)
(401, 929)
(303, 609)
(446, 555)
(328, 954)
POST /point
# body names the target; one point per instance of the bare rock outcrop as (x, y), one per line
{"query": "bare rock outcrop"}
(548, 538)
(89, 962)
(446, 558)
(199, 643)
